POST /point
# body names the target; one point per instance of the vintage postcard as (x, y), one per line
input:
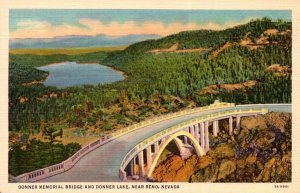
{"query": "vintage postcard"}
(129, 96)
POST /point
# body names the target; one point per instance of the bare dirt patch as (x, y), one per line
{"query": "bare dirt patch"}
(271, 32)
(279, 70)
(35, 82)
(215, 89)
(174, 49)
(171, 49)
(246, 41)
(215, 53)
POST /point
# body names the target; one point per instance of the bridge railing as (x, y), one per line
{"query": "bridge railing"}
(70, 162)
(140, 146)
(63, 166)
(160, 118)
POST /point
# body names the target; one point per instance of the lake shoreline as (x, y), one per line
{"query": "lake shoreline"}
(51, 64)
(110, 69)
(109, 66)
(118, 71)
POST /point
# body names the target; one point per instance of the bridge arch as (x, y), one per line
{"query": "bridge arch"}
(179, 144)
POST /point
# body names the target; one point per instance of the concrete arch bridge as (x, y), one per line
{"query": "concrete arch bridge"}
(135, 150)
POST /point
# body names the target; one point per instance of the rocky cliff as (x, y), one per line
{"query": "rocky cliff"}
(259, 152)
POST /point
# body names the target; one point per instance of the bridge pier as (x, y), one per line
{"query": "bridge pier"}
(230, 125)
(122, 175)
(141, 164)
(185, 140)
(186, 152)
(215, 128)
(206, 136)
(132, 166)
(149, 157)
(238, 122)
(202, 134)
(197, 136)
(156, 147)
(163, 140)
(192, 131)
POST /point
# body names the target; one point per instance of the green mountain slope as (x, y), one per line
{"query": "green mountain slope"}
(235, 57)
(184, 74)
(204, 38)
(249, 63)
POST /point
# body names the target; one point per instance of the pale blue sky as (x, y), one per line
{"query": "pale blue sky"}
(49, 23)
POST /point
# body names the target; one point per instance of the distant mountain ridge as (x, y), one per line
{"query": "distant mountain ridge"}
(78, 41)
(254, 33)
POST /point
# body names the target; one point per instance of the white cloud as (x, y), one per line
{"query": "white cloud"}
(43, 29)
(33, 24)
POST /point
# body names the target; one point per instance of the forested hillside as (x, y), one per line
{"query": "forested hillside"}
(184, 74)
(208, 38)
(168, 80)
(154, 75)
(249, 63)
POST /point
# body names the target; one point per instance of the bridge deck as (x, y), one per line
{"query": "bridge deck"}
(102, 164)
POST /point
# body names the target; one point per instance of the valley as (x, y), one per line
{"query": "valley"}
(180, 71)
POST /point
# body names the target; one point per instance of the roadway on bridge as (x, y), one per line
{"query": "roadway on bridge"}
(102, 164)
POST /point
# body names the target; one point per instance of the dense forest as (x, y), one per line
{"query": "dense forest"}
(183, 74)
(155, 83)
(149, 74)
(26, 158)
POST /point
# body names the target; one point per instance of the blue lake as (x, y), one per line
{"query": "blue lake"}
(73, 74)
